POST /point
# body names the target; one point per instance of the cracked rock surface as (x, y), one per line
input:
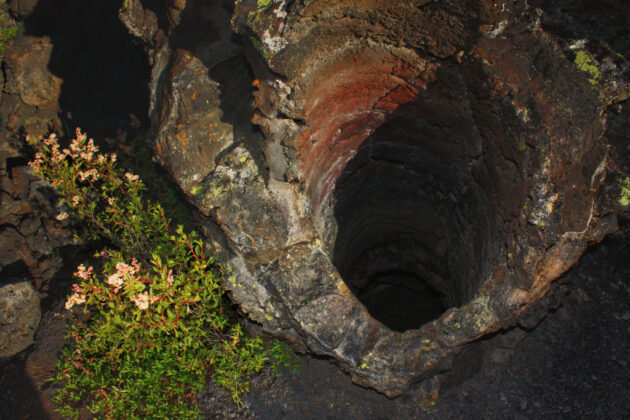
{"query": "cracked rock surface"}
(418, 175)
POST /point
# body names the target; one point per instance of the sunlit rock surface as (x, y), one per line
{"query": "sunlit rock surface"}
(416, 176)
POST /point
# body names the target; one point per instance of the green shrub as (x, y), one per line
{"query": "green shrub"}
(136, 156)
(157, 318)
(8, 30)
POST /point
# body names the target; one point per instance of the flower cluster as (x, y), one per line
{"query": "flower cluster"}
(75, 299)
(81, 150)
(83, 273)
(132, 178)
(123, 273)
(78, 297)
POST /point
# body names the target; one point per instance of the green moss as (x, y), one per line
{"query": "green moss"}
(584, 63)
(256, 43)
(197, 189)
(259, 47)
(8, 30)
(263, 4)
(624, 185)
(522, 146)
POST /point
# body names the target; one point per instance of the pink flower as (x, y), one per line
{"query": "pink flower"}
(36, 164)
(125, 269)
(115, 280)
(56, 156)
(51, 140)
(61, 216)
(141, 300)
(90, 173)
(131, 177)
(75, 148)
(75, 299)
(81, 137)
(123, 272)
(86, 156)
(83, 273)
(75, 200)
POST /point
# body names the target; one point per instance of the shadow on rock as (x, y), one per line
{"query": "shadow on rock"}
(103, 74)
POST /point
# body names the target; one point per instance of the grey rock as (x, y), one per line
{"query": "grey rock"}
(19, 316)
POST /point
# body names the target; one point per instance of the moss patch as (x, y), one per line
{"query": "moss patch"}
(624, 186)
(586, 64)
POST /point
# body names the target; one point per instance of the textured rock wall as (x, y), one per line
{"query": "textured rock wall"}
(449, 146)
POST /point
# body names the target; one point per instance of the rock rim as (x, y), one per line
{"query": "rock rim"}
(472, 105)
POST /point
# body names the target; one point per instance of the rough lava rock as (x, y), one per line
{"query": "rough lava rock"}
(28, 75)
(30, 233)
(20, 314)
(454, 152)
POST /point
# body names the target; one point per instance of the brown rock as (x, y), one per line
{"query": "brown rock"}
(141, 23)
(13, 248)
(21, 177)
(10, 206)
(23, 7)
(13, 122)
(28, 74)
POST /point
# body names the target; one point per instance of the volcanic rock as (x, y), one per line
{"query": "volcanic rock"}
(19, 316)
(426, 170)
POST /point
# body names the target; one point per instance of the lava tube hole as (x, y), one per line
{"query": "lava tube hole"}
(389, 244)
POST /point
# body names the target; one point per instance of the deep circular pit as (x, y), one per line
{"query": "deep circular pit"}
(407, 219)
(390, 246)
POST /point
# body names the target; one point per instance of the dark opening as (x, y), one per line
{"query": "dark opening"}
(105, 74)
(402, 301)
(416, 204)
(390, 246)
